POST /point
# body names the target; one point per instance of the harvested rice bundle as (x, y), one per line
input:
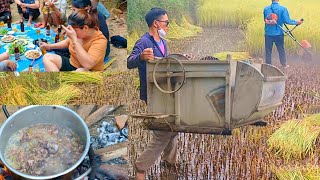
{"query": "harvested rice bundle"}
(17, 95)
(30, 82)
(313, 119)
(60, 96)
(177, 32)
(310, 172)
(222, 56)
(81, 77)
(294, 139)
(185, 24)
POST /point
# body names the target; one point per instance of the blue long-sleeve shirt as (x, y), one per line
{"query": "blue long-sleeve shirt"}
(134, 61)
(283, 17)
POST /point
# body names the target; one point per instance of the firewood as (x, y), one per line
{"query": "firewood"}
(85, 110)
(121, 121)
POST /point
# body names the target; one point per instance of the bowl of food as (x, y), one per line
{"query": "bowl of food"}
(21, 41)
(7, 38)
(31, 46)
(32, 54)
(10, 32)
(43, 142)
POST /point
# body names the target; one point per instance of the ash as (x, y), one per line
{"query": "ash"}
(109, 135)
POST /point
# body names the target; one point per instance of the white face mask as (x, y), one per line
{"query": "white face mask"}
(162, 33)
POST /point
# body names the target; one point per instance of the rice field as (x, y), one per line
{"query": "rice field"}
(288, 147)
(248, 15)
(243, 14)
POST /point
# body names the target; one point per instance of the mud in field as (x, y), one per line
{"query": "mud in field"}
(210, 41)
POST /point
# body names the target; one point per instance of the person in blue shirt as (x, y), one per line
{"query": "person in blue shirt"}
(273, 33)
(101, 8)
(149, 46)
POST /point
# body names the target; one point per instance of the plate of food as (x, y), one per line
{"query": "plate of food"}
(7, 39)
(10, 49)
(23, 42)
(33, 54)
(3, 32)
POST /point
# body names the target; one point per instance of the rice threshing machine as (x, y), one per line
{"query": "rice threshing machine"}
(210, 96)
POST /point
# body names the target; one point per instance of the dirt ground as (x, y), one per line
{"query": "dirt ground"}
(117, 24)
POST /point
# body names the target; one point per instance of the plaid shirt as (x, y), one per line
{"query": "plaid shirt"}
(4, 6)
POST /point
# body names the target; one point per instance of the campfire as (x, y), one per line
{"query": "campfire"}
(4, 172)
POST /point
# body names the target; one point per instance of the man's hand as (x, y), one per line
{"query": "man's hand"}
(299, 22)
(147, 54)
(24, 10)
(12, 65)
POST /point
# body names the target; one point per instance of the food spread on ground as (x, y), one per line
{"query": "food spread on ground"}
(32, 54)
(3, 32)
(43, 149)
(21, 41)
(11, 47)
(8, 38)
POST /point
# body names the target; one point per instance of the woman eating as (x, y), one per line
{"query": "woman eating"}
(86, 44)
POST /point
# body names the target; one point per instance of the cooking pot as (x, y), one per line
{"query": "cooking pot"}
(32, 115)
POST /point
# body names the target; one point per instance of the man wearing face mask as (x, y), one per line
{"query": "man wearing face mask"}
(152, 45)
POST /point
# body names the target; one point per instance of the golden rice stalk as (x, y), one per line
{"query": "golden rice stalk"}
(313, 119)
(222, 56)
(185, 24)
(30, 82)
(309, 172)
(295, 138)
(81, 77)
(178, 32)
(61, 96)
(16, 95)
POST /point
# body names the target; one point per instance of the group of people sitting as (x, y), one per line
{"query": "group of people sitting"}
(87, 44)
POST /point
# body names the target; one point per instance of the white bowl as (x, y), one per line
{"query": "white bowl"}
(31, 46)
(10, 32)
